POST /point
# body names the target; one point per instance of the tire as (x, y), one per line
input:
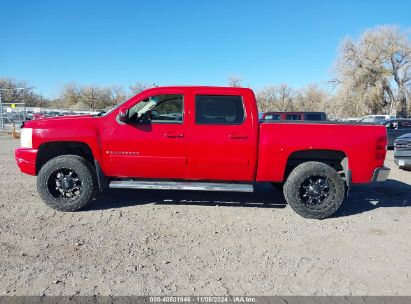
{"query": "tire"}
(74, 171)
(306, 190)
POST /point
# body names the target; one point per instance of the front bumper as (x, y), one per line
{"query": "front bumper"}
(380, 174)
(26, 160)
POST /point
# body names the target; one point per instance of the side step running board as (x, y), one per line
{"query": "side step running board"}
(164, 185)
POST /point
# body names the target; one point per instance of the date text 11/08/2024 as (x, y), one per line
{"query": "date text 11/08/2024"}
(202, 299)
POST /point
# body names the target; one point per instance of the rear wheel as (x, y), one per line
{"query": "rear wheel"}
(67, 183)
(314, 190)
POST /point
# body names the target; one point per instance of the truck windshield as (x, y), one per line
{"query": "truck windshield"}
(104, 113)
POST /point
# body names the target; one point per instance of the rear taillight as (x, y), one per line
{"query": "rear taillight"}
(381, 147)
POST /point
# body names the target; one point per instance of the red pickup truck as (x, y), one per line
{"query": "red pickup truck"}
(199, 138)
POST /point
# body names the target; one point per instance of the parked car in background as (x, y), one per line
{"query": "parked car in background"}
(38, 116)
(312, 116)
(13, 118)
(376, 118)
(402, 151)
(29, 115)
(395, 128)
(349, 119)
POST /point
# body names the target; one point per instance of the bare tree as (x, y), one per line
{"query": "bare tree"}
(267, 99)
(116, 95)
(18, 91)
(70, 95)
(376, 71)
(234, 81)
(138, 87)
(276, 98)
(312, 98)
(90, 96)
(286, 97)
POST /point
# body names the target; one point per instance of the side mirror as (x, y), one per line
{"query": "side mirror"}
(123, 114)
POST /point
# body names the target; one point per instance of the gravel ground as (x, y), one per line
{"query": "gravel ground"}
(200, 243)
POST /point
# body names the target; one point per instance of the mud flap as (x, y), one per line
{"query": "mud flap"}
(102, 180)
(347, 174)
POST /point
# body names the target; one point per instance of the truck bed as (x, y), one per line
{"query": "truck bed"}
(279, 140)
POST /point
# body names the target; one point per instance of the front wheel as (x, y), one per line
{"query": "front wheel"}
(67, 183)
(314, 190)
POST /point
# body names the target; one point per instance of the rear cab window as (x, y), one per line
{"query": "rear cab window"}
(219, 109)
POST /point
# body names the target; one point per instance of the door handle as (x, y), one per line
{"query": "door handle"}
(173, 135)
(237, 136)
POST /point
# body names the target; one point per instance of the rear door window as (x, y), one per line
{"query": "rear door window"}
(216, 109)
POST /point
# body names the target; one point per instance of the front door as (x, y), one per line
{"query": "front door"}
(149, 147)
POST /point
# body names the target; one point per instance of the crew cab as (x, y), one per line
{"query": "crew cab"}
(199, 138)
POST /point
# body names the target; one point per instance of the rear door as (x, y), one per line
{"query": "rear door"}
(222, 141)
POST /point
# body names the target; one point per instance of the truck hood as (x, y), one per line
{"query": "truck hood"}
(54, 121)
(405, 137)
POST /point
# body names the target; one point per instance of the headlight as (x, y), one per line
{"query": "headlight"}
(26, 138)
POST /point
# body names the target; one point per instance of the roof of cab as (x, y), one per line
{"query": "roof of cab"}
(199, 87)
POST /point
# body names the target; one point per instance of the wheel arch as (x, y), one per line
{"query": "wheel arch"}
(337, 159)
(49, 150)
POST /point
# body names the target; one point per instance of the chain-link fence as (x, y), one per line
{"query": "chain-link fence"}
(11, 116)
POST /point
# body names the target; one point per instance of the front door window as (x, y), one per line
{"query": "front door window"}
(167, 108)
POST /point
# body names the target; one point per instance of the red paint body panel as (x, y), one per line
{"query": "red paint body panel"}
(279, 140)
(246, 152)
(26, 160)
(154, 155)
(222, 152)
